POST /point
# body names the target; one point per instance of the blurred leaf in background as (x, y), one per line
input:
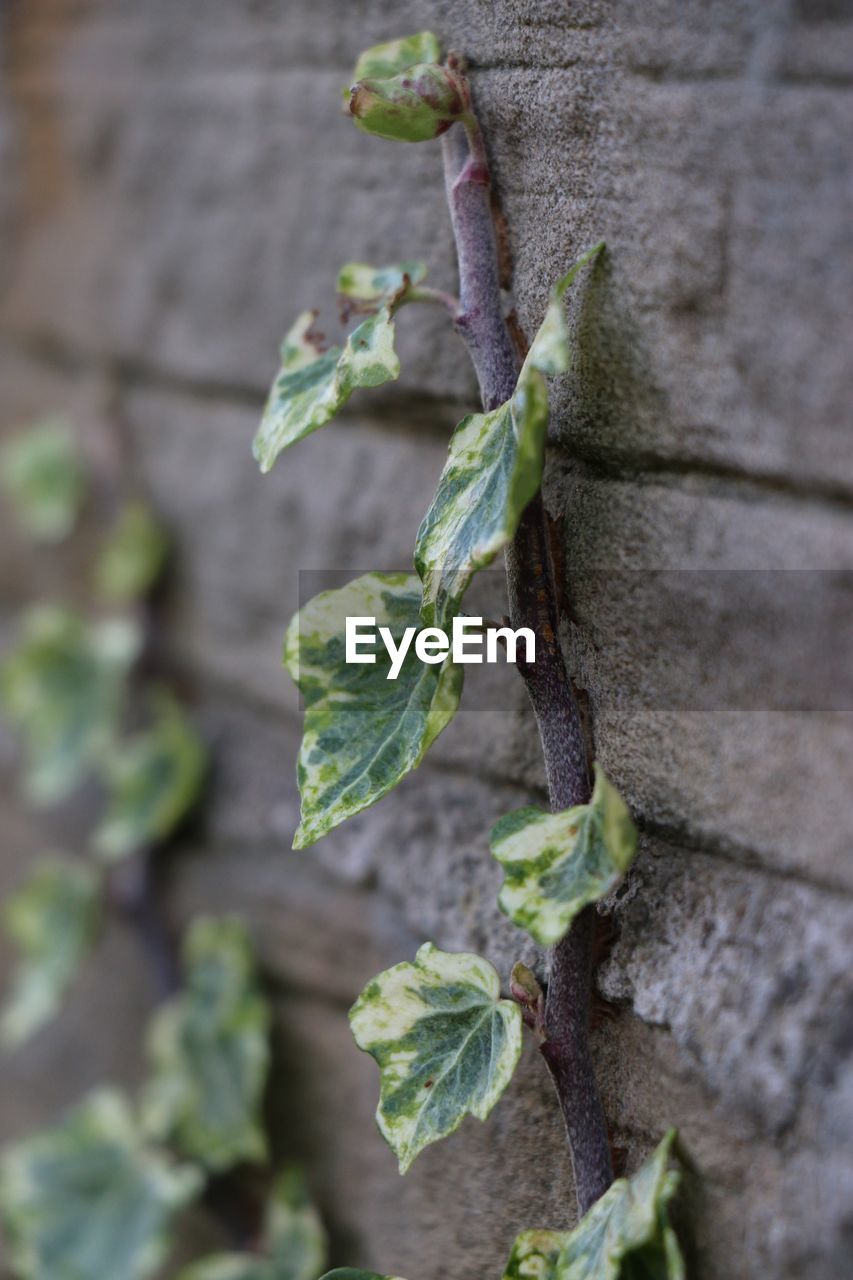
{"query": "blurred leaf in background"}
(294, 1245)
(42, 476)
(132, 557)
(51, 921)
(210, 1054)
(62, 688)
(152, 780)
(87, 1198)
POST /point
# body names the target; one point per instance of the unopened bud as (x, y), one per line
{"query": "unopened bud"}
(419, 104)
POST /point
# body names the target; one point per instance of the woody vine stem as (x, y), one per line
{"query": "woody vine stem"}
(533, 603)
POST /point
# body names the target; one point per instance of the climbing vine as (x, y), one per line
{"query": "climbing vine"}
(97, 1194)
(445, 1041)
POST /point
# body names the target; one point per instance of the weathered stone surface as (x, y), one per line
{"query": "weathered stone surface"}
(182, 185)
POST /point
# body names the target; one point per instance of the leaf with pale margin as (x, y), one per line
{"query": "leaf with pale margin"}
(88, 1198)
(555, 864)
(294, 1241)
(210, 1053)
(41, 474)
(626, 1234)
(363, 732)
(494, 469)
(534, 1255)
(551, 351)
(133, 557)
(152, 782)
(364, 283)
(389, 59)
(51, 921)
(313, 385)
(354, 1273)
(445, 1043)
(63, 689)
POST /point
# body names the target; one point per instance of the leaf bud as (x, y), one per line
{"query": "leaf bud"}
(417, 105)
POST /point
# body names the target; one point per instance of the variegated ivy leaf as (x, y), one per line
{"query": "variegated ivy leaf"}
(624, 1236)
(133, 557)
(294, 1242)
(551, 350)
(354, 1273)
(364, 283)
(51, 922)
(210, 1054)
(445, 1043)
(152, 782)
(313, 385)
(534, 1255)
(62, 689)
(363, 732)
(89, 1199)
(394, 56)
(41, 474)
(494, 469)
(557, 863)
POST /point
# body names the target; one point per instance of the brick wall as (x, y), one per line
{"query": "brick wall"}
(177, 184)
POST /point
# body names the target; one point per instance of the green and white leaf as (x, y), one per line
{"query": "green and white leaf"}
(555, 864)
(389, 59)
(294, 1242)
(133, 556)
(494, 469)
(445, 1042)
(354, 1273)
(534, 1255)
(152, 781)
(312, 386)
(62, 689)
(626, 1234)
(551, 351)
(209, 1050)
(51, 922)
(364, 283)
(89, 1199)
(41, 475)
(363, 732)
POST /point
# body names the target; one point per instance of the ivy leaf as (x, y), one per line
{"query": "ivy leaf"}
(294, 1243)
(445, 1043)
(394, 56)
(40, 473)
(417, 105)
(62, 688)
(534, 1255)
(363, 732)
(624, 1236)
(364, 283)
(153, 781)
(550, 352)
(133, 557)
(557, 863)
(210, 1054)
(353, 1273)
(494, 469)
(51, 920)
(88, 1198)
(313, 385)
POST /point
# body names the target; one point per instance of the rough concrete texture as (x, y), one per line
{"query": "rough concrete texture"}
(177, 183)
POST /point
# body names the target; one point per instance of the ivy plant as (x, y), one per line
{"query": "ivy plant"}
(98, 1193)
(445, 1041)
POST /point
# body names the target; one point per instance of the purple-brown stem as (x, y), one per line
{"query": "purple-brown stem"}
(533, 603)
